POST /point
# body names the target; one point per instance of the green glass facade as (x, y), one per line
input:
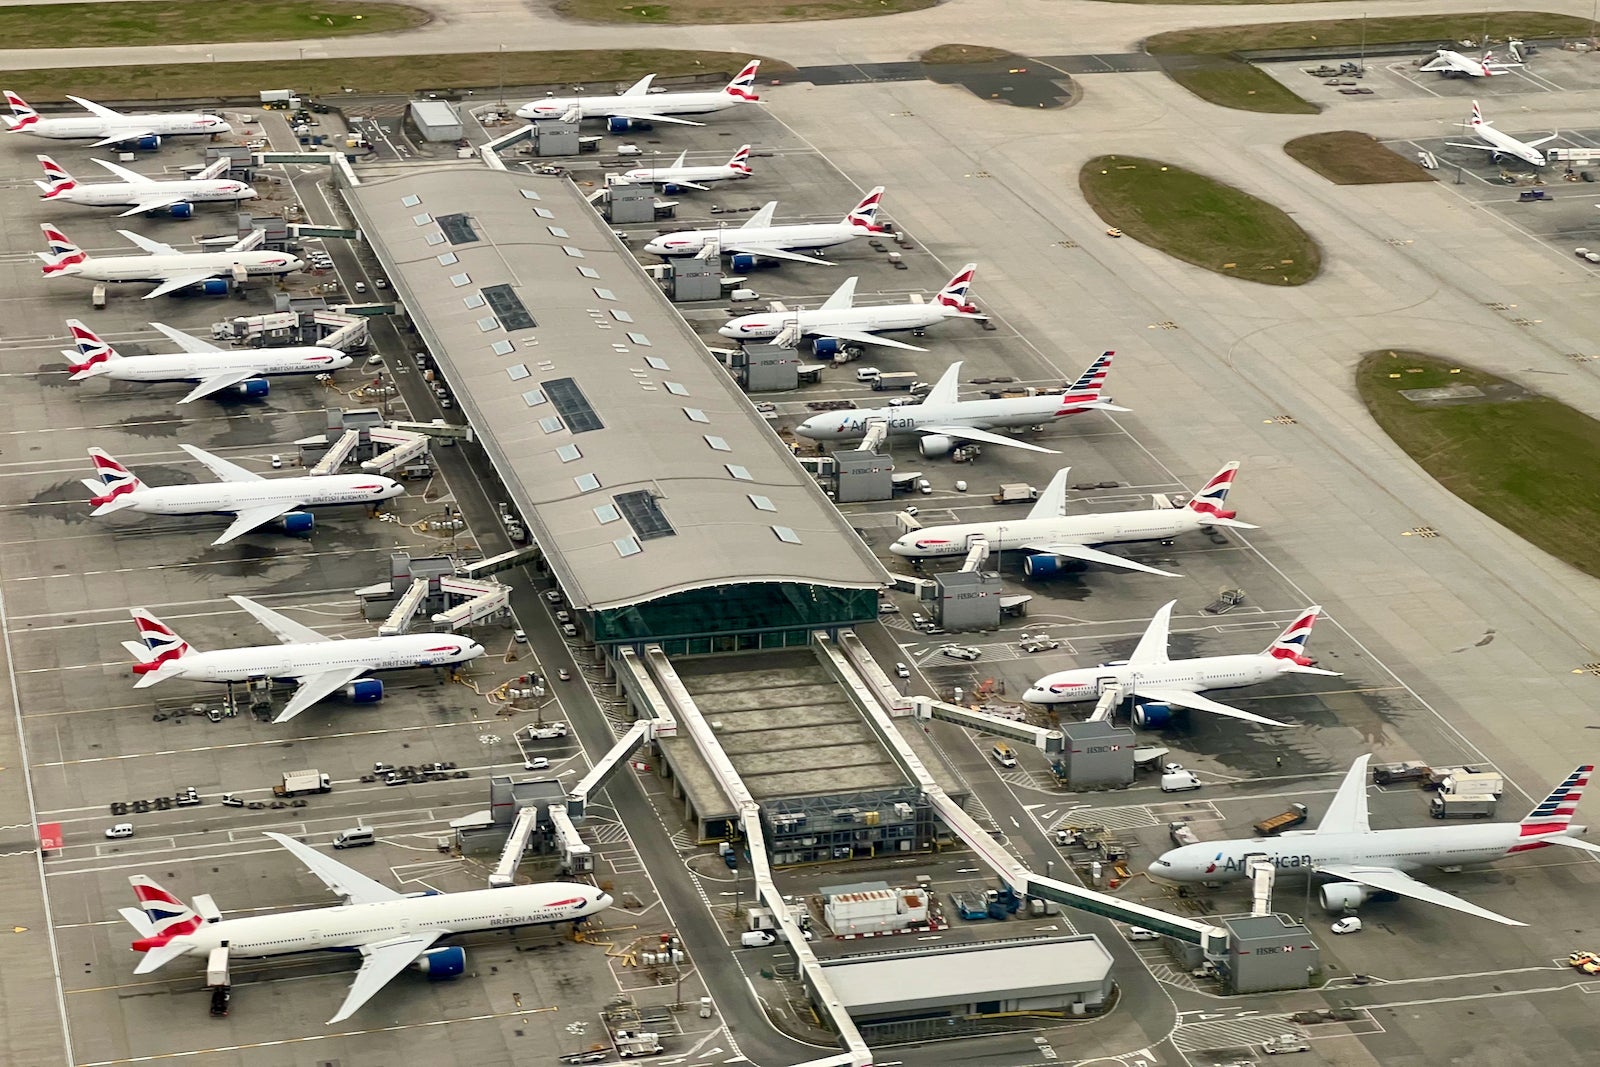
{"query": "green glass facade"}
(730, 618)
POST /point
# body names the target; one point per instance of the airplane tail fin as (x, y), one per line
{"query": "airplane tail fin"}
(1291, 644)
(1085, 392)
(1555, 812)
(161, 919)
(22, 116)
(1477, 116)
(90, 355)
(56, 179)
(162, 644)
(741, 160)
(864, 216)
(954, 295)
(63, 253)
(743, 86)
(117, 484)
(1207, 504)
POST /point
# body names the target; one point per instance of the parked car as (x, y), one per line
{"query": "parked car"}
(537, 763)
(122, 829)
(553, 596)
(961, 652)
(1350, 924)
(1139, 933)
(520, 636)
(1285, 1043)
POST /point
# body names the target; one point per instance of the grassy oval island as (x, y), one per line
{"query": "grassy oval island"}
(1199, 220)
(1524, 460)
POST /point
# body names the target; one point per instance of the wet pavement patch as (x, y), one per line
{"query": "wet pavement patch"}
(1017, 81)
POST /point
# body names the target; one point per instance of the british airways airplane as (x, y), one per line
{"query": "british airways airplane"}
(107, 126)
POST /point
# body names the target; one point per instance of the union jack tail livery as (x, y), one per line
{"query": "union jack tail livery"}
(743, 85)
(22, 116)
(91, 355)
(741, 160)
(1477, 116)
(57, 180)
(954, 295)
(864, 216)
(169, 917)
(1291, 644)
(1488, 71)
(63, 253)
(1555, 812)
(157, 647)
(114, 484)
(1207, 504)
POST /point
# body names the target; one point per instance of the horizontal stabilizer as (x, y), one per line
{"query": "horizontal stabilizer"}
(139, 921)
(1572, 842)
(160, 957)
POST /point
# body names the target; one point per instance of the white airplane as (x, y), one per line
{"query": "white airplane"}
(759, 237)
(1150, 676)
(1053, 539)
(838, 317)
(144, 194)
(391, 930)
(639, 104)
(253, 500)
(242, 372)
(110, 127)
(1502, 144)
(1452, 64)
(317, 662)
(173, 269)
(943, 419)
(681, 176)
(1360, 862)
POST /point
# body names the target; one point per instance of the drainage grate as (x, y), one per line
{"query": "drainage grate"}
(1579, 357)
(1526, 322)
(1588, 668)
(1166, 324)
(1281, 420)
(1499, 306)
(1420, 531)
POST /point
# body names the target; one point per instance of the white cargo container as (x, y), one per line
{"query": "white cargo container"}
(1468, 784)
(875, 910)
(217, 968)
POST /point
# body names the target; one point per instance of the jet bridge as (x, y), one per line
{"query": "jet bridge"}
(483, 600)
(1046, 741)
(337, 453)
(405, 610)
(404, 446)
(505, 872)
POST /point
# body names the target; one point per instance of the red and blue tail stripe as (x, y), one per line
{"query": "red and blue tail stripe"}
(1291, 644)
(954, 295)
(743, 85)
(1086, 390)
(1211, 497)
(23, 115)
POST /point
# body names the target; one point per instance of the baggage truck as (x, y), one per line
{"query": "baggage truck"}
(1016, 493)
(1485, 784)
(1450, 806)
(1281, 821)
(298, 783)
(895, 380)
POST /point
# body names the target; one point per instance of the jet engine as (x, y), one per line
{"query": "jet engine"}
(743, 262)
(364, 691)
(618, 124)
(148, 143)
(252, 388)
(184, 210)
(668, 189)
(827, 347)
(1152, 716)
(1345, 896)
(1048, 566)
(441, 963)
(297, 522)
(934, 445)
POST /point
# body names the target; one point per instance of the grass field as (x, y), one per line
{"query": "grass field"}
(952, 54)
(719, 12)
(1348, 157)
(159, 22)
(1527, 463)
(376, 74)
(1206, 62)
(1199, 220)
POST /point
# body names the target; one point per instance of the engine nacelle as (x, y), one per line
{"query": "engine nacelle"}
(364, 691)
(1045, 565)
(297, 522)
(148, 143)
(934, 445)
(214, 287)
(181, 211)
(442, 963)
(619, 124)
(1152, 716)
(254, 388)
(1344, 896)
(742, 262)
(827, 347)
(669, 189)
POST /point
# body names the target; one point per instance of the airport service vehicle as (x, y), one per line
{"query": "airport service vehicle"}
(678, 175)
(943, 420)
(140, 194)
(1052, 540)
(1284, 820)
(1453, 64)
(759, 237)
(108, 127)
(253, 500)
(317, 663)
(236, 372)
(838, 320)
(174, 270)
(1163, 683)
(1499, 144)
(1177, 779)
(392, 931)
(1450, 806)
(300, 783)
(1285, 1043)
(1356, 862)
(638, 104)
(121, 829)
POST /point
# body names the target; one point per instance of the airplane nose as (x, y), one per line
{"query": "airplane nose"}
(900, 548)
(728, 331)
(1036, 695)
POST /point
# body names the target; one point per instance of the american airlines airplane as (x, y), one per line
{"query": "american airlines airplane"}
(1051, 539)
(1499, 144)
(1165, 683)
(173, 269)
(759, 237)
(253, 500)
(943, 420)
(108, 127)
(639, 104)
(142, 193)
(317, 662)
(838, 317)
(1453, 64)
(392, 931)
(242, 372)
(681, 176)
(1357, 862)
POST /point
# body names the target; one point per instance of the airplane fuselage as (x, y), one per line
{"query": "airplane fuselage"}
(295, 660)
(127, 194)
(597, 107)
(788, 238)
(1102, 529)
(211, 498)
(158, 268)
(352, 925)
(185, 367)
(1187, 675)
(1007, 413)
(698, 175)
(1505, 144)
(92, 127)
(887, 318)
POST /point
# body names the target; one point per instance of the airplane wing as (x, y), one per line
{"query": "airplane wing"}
(1152, 647)
(1185, 699)
(132, 177)
(151, 203)
(225, 380)
(1542, 140)
(173, 282)
(770, 251)
(1390, 880)
(680, 183)
(380, 963)
(188, 342)
(1479, 147)
(1441, 63)
(646, 116)
(971, 433)
(98, 110)
(1091, 555)
(352, 885)
(287, 630)
(228, 472)
(248, 519)
(120, 136)
(864, 338)
(1347, 814)
(315, 687)
(154, 247)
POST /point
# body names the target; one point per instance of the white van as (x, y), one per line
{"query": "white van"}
(868, 374)
(122, 829)
(1179, 780)
(355, 837)
(1003, 755)
(757, 938)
